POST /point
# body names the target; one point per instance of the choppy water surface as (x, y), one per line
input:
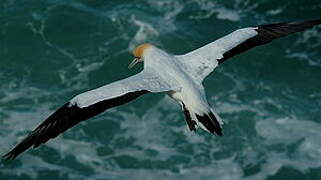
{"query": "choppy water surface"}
(269, 98)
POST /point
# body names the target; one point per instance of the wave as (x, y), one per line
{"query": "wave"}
(141, 141)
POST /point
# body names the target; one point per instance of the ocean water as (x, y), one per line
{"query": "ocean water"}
(269, 98)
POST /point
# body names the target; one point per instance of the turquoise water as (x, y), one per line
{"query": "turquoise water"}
(269, 98)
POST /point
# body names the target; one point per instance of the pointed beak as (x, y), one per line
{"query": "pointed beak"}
(133, 63)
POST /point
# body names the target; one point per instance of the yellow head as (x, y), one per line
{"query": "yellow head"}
(139, 50)
(139, 54)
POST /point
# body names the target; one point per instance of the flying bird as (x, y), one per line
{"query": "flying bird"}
(179, 76)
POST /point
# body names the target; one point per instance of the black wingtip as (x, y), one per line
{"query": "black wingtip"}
(9, 156)
(267, 33)
(304, 23)
(283, 29)
(309, 22)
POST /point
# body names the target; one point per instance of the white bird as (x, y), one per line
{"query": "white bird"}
(180, 77)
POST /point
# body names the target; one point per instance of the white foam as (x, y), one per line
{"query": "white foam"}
(234, 14)
(227, 14)
(155, 130)
(311, 41)
(146, 32)
(274, 12)
(287, 131)
(170, 9)
(304, 56)
(147, 131)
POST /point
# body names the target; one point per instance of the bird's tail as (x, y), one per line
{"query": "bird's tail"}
(209, 121)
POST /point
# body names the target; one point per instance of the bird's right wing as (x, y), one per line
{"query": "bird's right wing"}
(201, 62)
(91, 103)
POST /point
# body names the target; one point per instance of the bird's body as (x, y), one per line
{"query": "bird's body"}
(180, 77)
(190, 94)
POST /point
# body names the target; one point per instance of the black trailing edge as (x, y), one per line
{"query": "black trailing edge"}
(64, 118)
(267, 33)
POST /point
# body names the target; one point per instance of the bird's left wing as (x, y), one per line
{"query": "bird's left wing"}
(91, 103)
(201, 62)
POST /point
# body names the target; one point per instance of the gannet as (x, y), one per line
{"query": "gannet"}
(179, 76)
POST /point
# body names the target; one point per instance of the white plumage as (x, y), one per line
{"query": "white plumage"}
(201, 62)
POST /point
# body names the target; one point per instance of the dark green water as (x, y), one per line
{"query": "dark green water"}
(269, 98)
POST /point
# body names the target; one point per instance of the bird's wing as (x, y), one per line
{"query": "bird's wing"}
(91, 103)
(201, 62)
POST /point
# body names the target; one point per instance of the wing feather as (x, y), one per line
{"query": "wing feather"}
(89, 104)
(201, 62)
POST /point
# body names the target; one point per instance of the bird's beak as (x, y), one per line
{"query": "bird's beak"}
(133, 63)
